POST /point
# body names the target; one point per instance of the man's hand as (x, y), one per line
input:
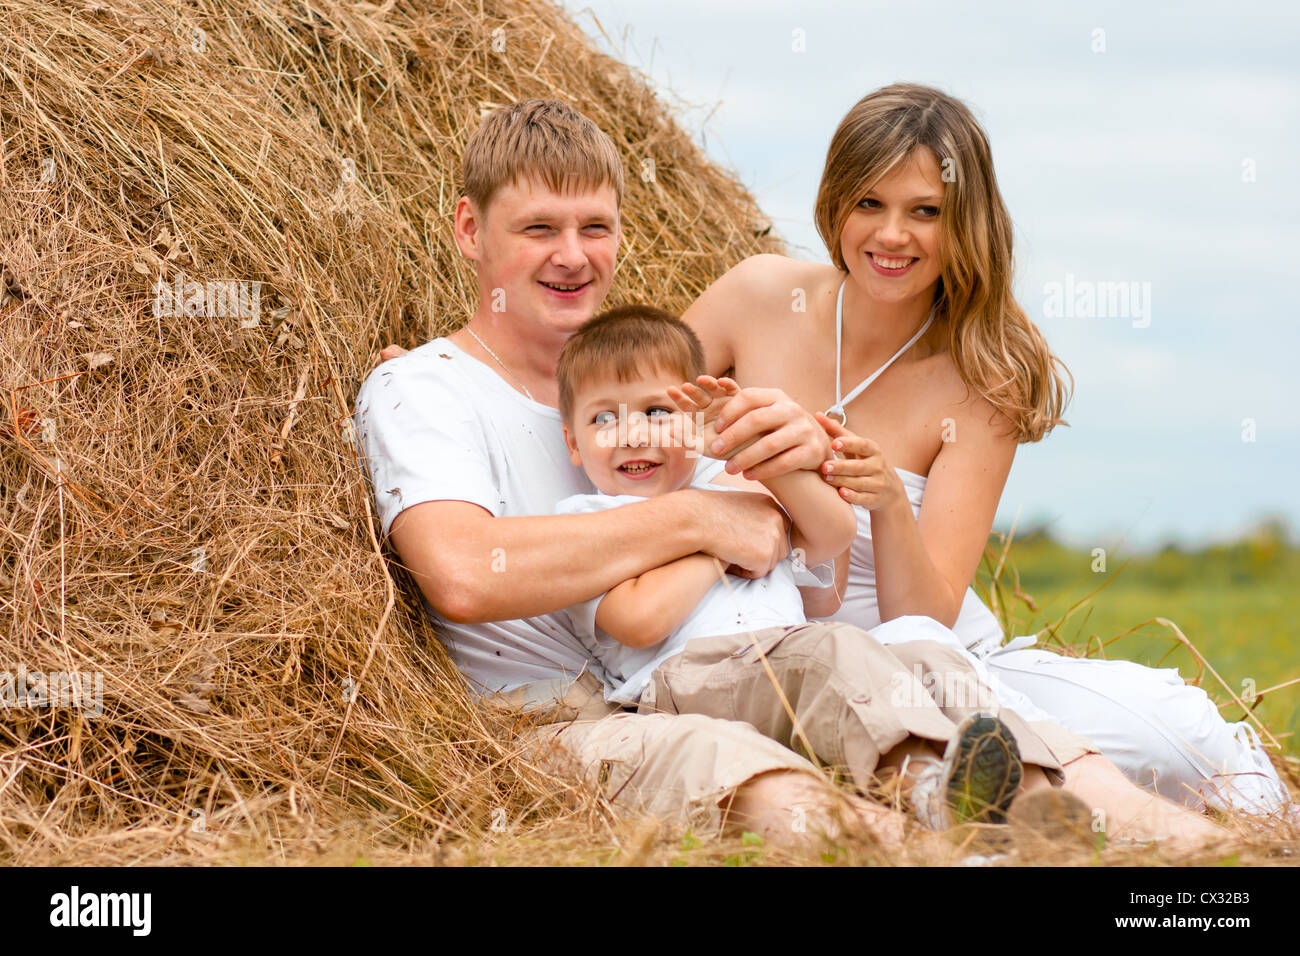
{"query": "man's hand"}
(390, 352)
(765, 434)
(747, 531)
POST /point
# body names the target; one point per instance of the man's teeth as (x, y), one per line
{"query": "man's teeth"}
(637, 468)
(891, 263)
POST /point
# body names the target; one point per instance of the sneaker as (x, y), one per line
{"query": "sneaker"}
(976, 780)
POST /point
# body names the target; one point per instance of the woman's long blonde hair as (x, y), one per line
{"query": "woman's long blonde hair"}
(998, 351)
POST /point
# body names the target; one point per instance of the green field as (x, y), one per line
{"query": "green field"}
(1238, 604)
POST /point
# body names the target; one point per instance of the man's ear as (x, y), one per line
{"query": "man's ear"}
(574, 455)
(467, 226)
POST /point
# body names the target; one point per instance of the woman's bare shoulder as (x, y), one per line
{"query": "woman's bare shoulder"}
(767, 274)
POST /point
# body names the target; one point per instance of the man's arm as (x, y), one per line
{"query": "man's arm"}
(645, 610)
(474, 567)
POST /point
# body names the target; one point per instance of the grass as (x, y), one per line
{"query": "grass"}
(1237, 603)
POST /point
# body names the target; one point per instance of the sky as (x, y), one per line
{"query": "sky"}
(1155, 145)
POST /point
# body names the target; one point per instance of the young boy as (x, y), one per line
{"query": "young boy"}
(637, 435)
(636, 430)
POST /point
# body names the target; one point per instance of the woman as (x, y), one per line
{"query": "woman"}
(930, 375)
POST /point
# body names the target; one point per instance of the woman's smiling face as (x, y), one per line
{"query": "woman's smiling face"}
(890, 242)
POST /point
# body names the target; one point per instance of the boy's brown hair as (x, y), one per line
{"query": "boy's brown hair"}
(627, 341)
(545, 140)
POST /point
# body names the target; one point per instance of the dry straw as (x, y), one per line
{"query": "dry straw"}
(181, 509)
(180, 506)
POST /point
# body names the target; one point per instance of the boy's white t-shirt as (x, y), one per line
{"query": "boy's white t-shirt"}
(733, 604)
(437, 424)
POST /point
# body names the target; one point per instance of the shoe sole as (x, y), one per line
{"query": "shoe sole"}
(986, 770)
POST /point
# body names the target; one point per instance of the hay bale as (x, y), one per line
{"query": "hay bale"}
(182, 509)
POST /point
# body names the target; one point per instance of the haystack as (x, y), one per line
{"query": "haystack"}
(213, 215)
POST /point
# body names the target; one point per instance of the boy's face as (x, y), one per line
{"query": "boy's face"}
(630, 438)
(544, 259)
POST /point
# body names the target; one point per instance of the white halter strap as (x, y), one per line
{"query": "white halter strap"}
(837, 410)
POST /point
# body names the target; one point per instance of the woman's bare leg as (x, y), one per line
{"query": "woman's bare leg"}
(1129, 813)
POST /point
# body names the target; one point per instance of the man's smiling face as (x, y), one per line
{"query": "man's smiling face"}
(544, 259)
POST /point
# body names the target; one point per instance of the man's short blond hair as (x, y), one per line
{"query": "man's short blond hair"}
(544, 140)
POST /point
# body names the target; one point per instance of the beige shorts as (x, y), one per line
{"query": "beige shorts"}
(682, 767)
(843, 694)
(712, 717)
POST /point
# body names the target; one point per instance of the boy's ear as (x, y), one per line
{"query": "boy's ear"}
(574, 455)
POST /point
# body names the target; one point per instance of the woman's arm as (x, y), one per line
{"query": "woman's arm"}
(644, 610)
(768, 433)
(923, 566)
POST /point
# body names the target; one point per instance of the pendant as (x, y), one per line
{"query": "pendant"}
(837, 413)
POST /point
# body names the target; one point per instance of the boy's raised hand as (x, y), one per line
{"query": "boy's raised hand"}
(704, 402)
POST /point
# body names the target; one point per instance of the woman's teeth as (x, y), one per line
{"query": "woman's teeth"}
(891, 263)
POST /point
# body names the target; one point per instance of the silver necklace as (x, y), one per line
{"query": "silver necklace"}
(499, 362)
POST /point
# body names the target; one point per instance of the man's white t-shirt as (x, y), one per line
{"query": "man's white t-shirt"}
(438, 424)
(732, 605)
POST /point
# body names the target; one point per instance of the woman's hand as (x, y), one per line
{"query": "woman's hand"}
(764, 433)
(862, 475)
